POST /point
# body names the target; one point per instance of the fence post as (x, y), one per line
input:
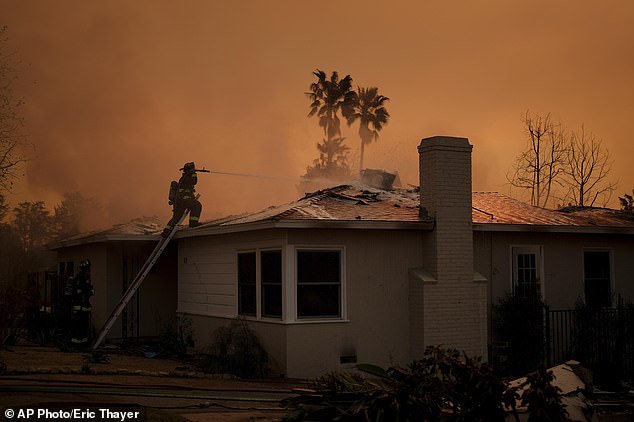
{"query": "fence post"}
(620, 334)
(547, 339)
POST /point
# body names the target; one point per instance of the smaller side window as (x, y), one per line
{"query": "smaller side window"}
(246, 284)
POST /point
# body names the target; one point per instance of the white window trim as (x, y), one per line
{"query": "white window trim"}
(258, 280)
(291, 289)
(610, 252)
(527, 248)
(258, 284)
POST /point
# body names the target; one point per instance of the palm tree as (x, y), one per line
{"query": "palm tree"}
(369, 109)
(329, 98)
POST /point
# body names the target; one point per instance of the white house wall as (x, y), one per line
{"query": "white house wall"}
(375, 326)
(562, 257)
(207, 268)
(377, 309)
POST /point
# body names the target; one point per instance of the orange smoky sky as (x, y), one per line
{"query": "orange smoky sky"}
(120, 94)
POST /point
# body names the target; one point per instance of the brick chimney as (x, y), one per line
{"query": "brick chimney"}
(446, 305)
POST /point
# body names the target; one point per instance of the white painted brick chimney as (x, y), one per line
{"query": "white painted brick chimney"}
(447, 307)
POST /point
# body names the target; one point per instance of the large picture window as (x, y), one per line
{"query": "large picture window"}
(247, 284)
(596, 272)
(318, 283)
(271, 278)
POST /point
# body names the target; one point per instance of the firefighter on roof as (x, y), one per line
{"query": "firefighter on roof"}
(81, 309)
(183, 198)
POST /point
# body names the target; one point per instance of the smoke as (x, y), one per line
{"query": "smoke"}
(120, 94)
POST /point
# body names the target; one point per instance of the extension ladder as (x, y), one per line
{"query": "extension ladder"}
(136, 283)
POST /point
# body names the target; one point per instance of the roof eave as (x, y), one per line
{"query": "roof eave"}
(102, 239)
(426, 225)
(538, 228)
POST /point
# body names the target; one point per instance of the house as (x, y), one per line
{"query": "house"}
(116, 255)
(356, 273)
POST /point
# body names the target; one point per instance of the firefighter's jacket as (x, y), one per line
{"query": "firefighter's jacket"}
(186, 185)
(82, 291)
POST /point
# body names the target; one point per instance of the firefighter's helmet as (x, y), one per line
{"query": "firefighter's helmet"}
(85, 265)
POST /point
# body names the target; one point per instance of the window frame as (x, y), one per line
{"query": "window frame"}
(342, 283)
(259, 296)
(538, 251)
(260, 283)
(238, 294)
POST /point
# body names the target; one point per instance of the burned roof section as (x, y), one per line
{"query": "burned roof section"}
(362, 206)
(136, 229)
(370, 204)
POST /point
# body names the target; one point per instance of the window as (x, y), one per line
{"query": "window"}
(318, 283)
(596, 272)
(271, 279)
(260, 281)
(527, 272)
(246, 284)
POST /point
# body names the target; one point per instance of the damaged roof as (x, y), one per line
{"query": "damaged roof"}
(492, 208)
(356, 204)
(360, 206)
(137, 229)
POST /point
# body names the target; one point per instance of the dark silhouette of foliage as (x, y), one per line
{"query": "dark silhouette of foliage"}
(75, 214)
(236, 349)
(33, 224)
(369, 109)
(627, 202)
(445, 385)
(330, 98)
(519, 321)
(543, 399)
(175, 336)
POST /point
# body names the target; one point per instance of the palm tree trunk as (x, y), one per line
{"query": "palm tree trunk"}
(361, 158)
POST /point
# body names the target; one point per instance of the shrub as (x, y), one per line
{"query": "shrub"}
(443, 386)
(542, 398)
(97, 356)
(237, 350)
(176, 336)
(520, 323)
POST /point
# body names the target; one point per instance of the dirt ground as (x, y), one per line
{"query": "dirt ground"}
(167, 389)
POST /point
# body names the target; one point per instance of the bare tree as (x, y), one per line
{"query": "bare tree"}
(539, 168)
(11, 122)
(588, 166)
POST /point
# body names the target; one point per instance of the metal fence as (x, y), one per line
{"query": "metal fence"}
(601, 339)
